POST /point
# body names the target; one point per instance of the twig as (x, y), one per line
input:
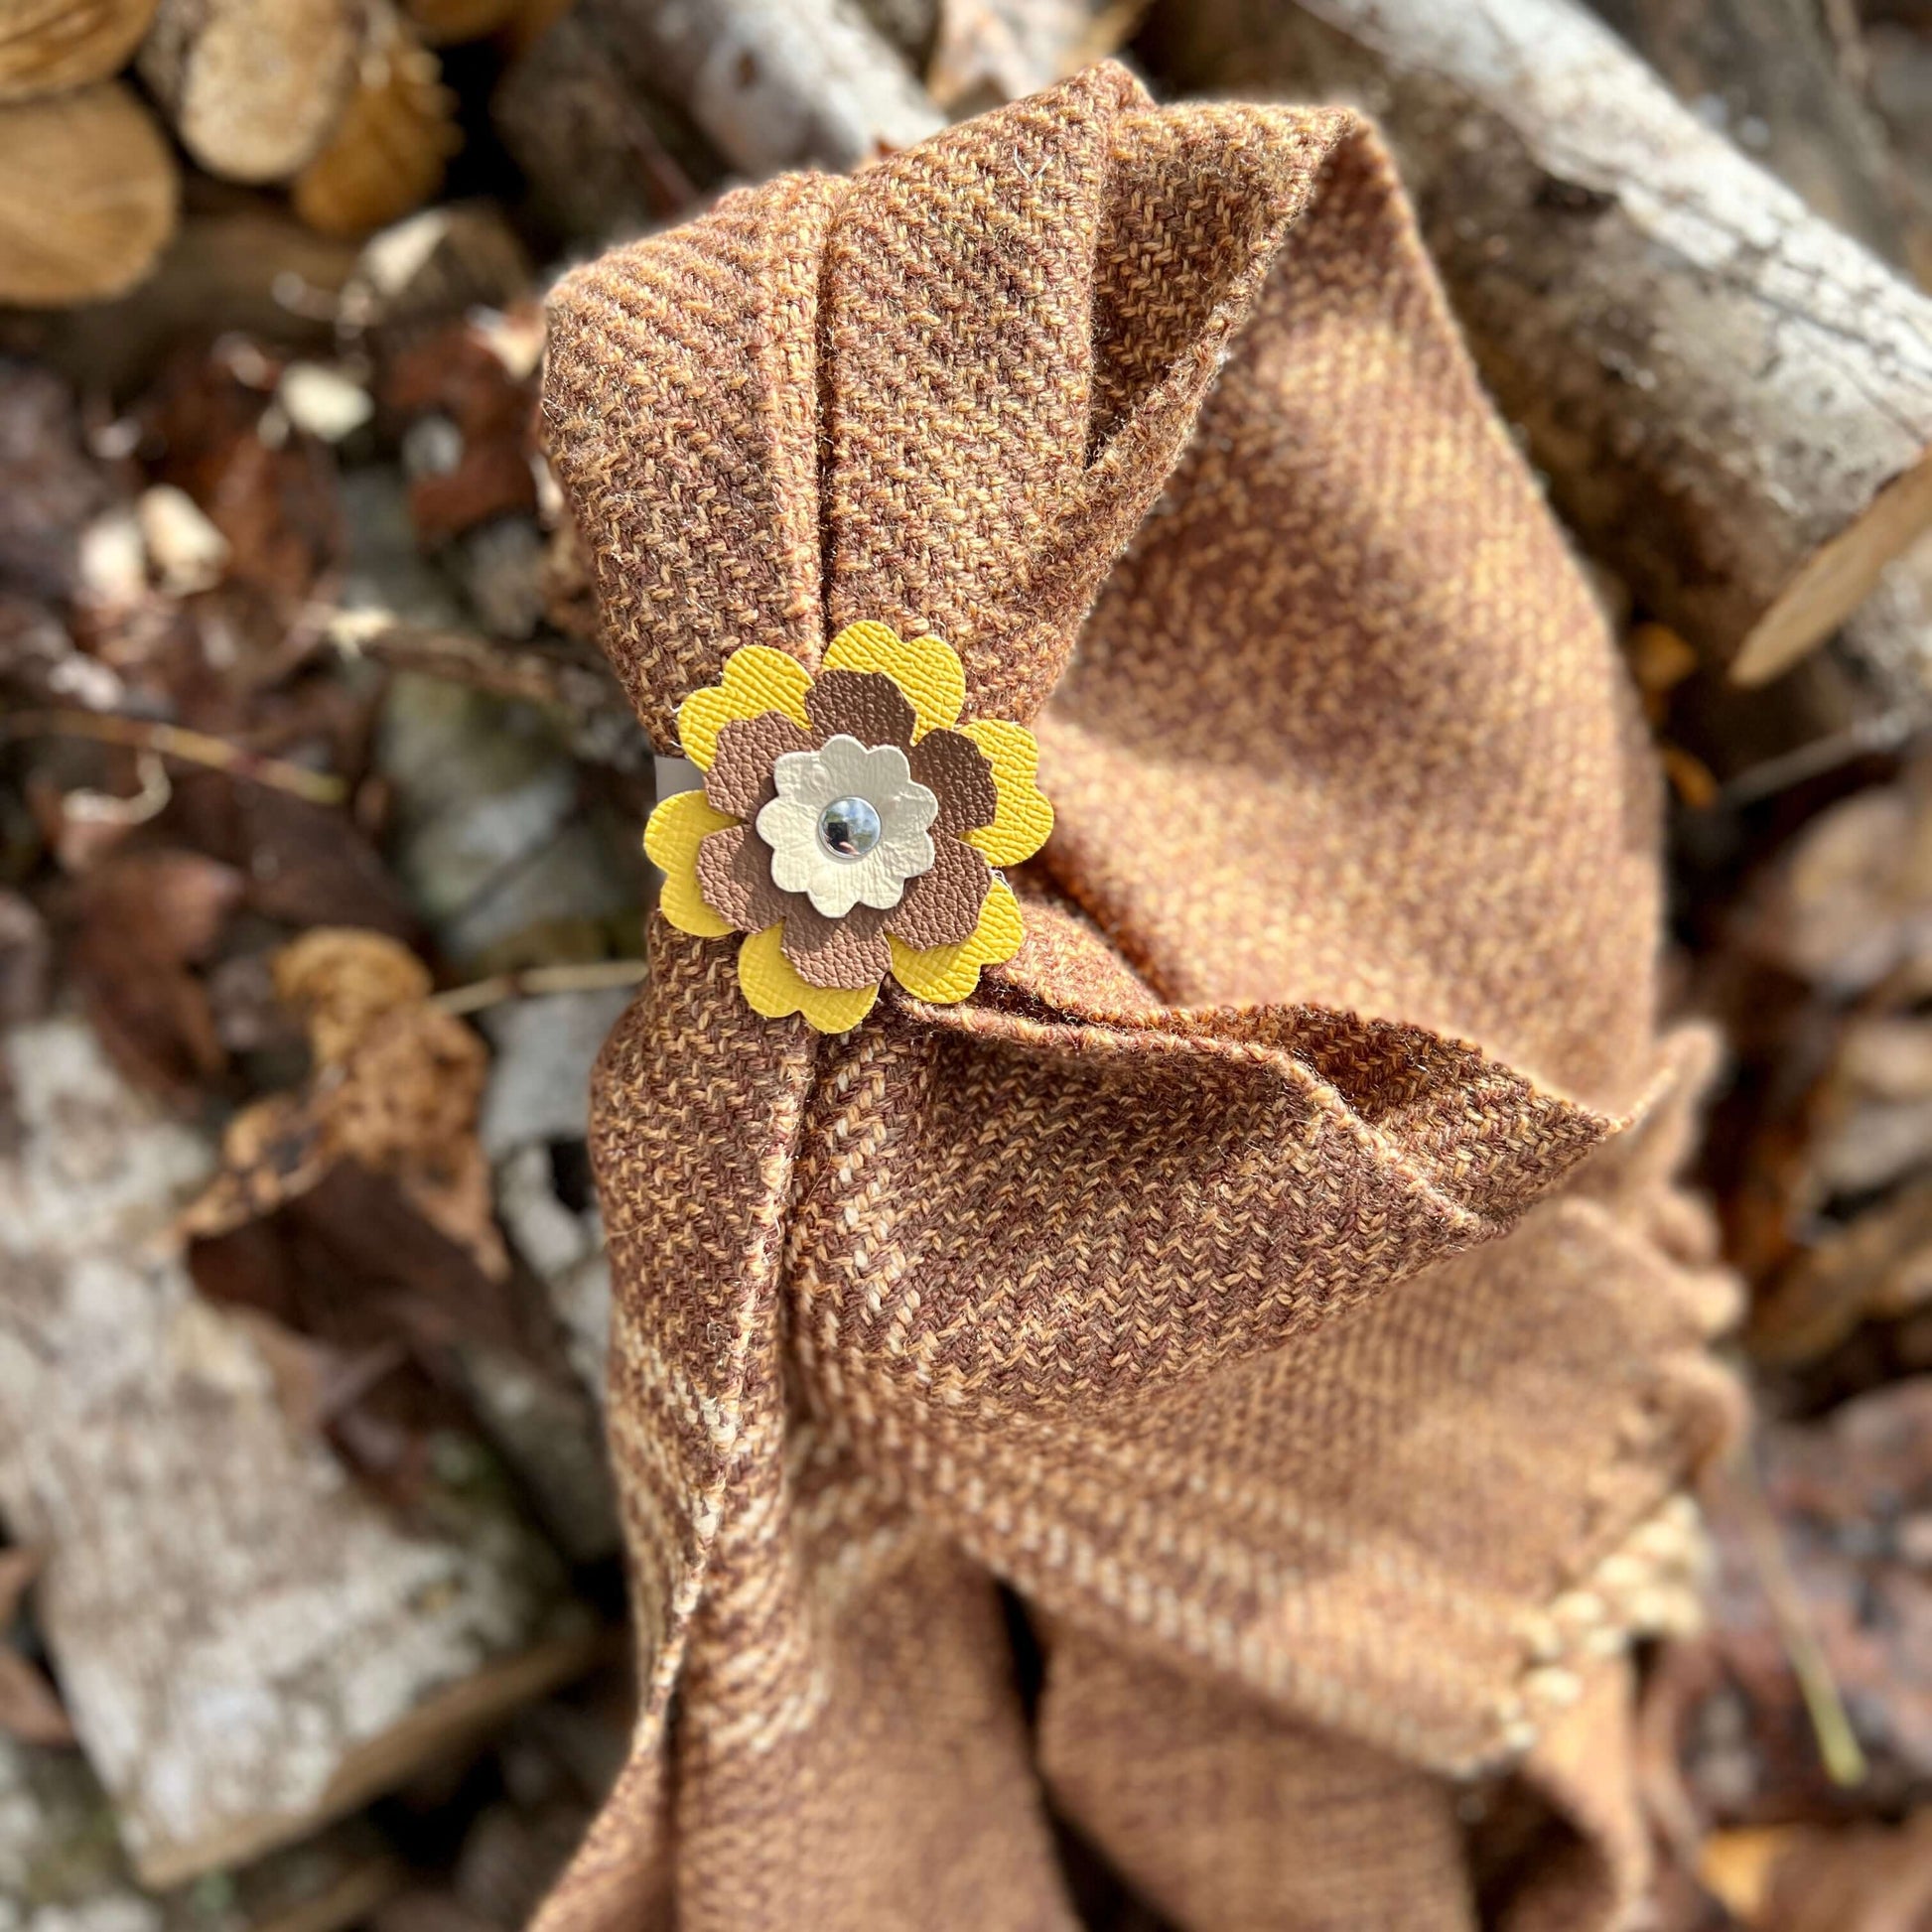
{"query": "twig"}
(113, 808)
(439, 652)
(177, 741)
(586, 697)
(1846, 32)
(1890, 731)
(1837, 1743)
(590, 978)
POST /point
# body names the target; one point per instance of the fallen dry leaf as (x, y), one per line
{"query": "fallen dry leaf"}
(49, 488)
(140, 922)
(1737, 1867)
(265, 487)
(1850, 900)
(1875, 1267)
(302, 864)
(488, 413)
(29, 1709)
(41, 662)
(355, 1211)
(1819, 1879)
(397, 1091)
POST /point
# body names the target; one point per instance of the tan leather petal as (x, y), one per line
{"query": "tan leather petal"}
(866, 704)
(941, 907)
(735, 877)
(957, 772)
(844, 952)
(740, 778)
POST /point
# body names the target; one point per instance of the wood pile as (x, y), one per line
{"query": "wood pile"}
(339, 102)
(319, 881)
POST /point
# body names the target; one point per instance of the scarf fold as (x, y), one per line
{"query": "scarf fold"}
(1271, 1275)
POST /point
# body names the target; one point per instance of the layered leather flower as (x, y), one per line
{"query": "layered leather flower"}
(850, 826)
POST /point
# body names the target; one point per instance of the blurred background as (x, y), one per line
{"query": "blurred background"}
(319, 875)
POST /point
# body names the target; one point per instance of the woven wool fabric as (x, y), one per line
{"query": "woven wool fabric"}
(1272, 1276)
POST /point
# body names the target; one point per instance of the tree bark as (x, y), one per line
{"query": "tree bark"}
(249, 1645)
(1765, 74)
(61, 1869)
(773, 84)
(1733, 400)
(770, 85)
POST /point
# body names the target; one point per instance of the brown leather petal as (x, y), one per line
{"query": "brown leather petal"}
(846, 952)
(735, 877)
(866, 704)
(957, 772)
(943, 906)
(740, 778)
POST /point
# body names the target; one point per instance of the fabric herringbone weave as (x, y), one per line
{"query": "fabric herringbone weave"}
(1270, 1277)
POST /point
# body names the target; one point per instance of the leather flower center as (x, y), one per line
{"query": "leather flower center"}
(849, 826)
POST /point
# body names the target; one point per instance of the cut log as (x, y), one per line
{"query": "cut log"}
(387, 154)
(604, 158)
(447, 22)
(770, 84)
(89, 197)
(248, 1643)
(985, 51)
(1768, 74)
(50, 45)
(1733, 400)
(615, 110)
(240, 257)
(253, 87)
(774, 83)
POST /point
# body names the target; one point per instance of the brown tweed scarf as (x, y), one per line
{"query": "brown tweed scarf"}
(1271, 1275)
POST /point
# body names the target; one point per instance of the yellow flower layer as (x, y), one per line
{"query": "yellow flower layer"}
(772, 986)
(925, 669)
(1025, 819)
(944, 975)
(757, 679)
(676, 828)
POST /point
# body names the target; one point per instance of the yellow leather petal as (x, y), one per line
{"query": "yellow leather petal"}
(757, 679)
(679, 825)
(1025, 818)
(925, 669)
(772, 986)
(944, 975)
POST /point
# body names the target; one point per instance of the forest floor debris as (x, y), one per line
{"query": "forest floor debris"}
(319, 885)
